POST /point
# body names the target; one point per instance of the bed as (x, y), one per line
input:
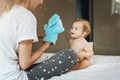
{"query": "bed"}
(103, 68)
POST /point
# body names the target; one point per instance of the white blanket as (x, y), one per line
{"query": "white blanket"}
(102, 68)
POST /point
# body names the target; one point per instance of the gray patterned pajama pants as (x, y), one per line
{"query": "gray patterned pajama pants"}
(58, 64)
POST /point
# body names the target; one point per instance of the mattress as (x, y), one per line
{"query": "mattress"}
(103, 68)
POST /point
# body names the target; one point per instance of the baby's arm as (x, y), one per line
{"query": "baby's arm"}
(87, 50)
(84, 55)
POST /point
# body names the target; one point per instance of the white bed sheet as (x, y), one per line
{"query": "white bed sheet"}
(102, 68)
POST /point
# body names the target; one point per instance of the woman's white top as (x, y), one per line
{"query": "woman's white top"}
(15, 26)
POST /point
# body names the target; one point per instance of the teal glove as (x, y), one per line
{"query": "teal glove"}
(53, 20)
(53, 28)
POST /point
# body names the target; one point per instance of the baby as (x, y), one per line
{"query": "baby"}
(79, 31)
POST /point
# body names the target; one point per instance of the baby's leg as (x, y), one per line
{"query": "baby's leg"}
(82, 64)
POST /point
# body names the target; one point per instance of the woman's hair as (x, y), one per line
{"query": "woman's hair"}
(86, 26)
(6, 5)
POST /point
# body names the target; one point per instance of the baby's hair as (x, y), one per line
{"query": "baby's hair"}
(86, 26)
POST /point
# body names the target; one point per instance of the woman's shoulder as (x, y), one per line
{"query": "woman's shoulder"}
(20, 11)
(21, 14)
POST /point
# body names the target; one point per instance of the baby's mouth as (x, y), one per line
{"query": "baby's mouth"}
(72, 33)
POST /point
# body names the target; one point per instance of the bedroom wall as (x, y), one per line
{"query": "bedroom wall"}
(106, 28)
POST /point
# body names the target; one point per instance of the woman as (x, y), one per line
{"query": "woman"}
(17, 34)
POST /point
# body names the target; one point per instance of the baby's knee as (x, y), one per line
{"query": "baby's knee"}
(81, 65)
(85, 63)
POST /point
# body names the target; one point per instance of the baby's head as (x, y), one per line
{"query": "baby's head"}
(80, 28)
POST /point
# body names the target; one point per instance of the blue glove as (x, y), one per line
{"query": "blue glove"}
(53, 28)
(53, 20)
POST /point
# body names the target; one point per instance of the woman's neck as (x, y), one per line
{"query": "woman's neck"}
(25, 4)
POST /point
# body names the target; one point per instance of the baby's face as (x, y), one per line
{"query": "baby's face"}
(76, 30)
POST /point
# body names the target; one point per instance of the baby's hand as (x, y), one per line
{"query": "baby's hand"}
(81, 55)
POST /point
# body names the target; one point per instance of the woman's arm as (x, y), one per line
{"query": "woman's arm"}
(26, 57)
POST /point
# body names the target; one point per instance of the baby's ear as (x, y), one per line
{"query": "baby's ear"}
(84, 34)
